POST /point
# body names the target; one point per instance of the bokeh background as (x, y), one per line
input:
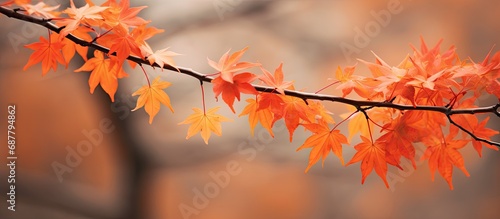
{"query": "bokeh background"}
(150, 171)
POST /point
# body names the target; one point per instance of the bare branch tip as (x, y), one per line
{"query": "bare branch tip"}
(16, 10)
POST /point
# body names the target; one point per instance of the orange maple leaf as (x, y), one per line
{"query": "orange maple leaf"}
(143, 33)
(17, 2)
(264, 116)
(471, 123)
(319, 112)
(494, 88)
(70, 48)
(49, 53)
(21, 2)
(481, 131)
(372, 155)
(121, 43)
(357, 123)
(122, 14)
(104, 73)
(205, 123)
(490, 71)
(443, 155)
(241, 84)
(152, 96)
(275, 80)
(389, 81)
(229, 65)
(350, 82)
(401, 134)
(322, 141)
(271, 101)
(78, 16)
(294, 110)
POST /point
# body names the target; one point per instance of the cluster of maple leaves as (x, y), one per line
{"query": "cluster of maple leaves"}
(427, 78)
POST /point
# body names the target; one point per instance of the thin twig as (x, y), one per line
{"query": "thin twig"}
(471, 134)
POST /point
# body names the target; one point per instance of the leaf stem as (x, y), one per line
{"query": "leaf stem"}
(145, 74)
(101, 35)
(344, 120)
(327, 86)
(213, 74)
(367, 121)
(369, 127)
(203, 97)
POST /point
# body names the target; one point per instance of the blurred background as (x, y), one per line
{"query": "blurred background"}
(82, 156)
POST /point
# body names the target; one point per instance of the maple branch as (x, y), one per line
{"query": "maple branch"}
(303, 95)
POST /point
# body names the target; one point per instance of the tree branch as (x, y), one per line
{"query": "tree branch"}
(471, 134)
(303, 95)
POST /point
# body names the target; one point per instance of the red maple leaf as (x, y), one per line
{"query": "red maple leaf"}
(230, 91)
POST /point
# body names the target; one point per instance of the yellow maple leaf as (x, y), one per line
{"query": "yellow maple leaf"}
(151, 97)
(205, 123)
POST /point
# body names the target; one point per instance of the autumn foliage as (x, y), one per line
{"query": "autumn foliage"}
(429, 98)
